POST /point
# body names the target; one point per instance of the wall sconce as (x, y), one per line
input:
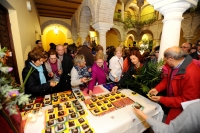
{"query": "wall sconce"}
(56, 30)
(28, 4)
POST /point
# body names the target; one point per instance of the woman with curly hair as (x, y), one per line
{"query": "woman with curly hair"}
(135, 62)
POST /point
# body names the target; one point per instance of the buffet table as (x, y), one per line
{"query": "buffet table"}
(122, 120)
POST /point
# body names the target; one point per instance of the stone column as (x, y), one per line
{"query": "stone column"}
(83, 36)
(102, 28)
(74, 38)
(172, 11)
(122, 11)
(159, 16)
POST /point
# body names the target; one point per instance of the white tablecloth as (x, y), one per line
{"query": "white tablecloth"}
(119, 121)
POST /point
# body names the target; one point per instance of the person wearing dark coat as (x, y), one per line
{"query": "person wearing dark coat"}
(67, 64)
(196, 55)
(87, 52)
(36, 84)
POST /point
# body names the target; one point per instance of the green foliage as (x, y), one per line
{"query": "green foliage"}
(146, 78)
(129, 23)
(117, 17)
(10, 95)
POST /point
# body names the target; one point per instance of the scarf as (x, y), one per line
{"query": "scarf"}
(82, 72)
(41, 73)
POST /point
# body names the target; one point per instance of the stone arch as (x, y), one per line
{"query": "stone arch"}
(74, 29)
(85, 17)
(146, 31)
(196, 30)
(132, 31)
(145, 5)
(105, 11)
(134, 6)
(118, 31)
(51, 22)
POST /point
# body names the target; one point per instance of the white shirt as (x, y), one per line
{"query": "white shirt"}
(116, 66)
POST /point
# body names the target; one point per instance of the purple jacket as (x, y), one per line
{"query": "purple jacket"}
(98, 75)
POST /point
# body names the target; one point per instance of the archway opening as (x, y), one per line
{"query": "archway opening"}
(85, 18)
(56, 34)
(147, 13)
(146, 43)
(112, 38)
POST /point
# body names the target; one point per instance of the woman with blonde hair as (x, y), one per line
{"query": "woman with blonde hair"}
(116, 65)
(99, 72)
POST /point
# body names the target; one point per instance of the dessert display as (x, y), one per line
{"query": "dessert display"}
(75, 130)
(103, 104)
(89, 131)
(48, 130)
(50, 111)
(85, 126)
(71, 124)
(78, 107)
(51, 123)
(60, 127)
(71, 110)
(82, 112)
(133, 93)
(138, 106)
(61, 113)
(61, 120)
(52, 116)
(81, 120)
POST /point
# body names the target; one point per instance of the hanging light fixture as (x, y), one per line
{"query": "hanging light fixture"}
(56, 30)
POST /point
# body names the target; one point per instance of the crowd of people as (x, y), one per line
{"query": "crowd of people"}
(65, 67)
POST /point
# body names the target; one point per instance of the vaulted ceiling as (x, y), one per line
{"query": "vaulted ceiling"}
(57, 8)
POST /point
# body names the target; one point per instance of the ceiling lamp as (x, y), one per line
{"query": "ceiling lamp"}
(56, 30)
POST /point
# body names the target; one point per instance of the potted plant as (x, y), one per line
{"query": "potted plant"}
(11, 96)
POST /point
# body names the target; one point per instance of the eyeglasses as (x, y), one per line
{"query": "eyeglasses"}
(99, 62)
(184, 47)
(52, 58)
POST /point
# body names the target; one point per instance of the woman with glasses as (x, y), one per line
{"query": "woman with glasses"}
(36, 84)
(53, 66)
(99, 72)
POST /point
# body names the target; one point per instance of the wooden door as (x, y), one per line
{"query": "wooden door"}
(6, 40)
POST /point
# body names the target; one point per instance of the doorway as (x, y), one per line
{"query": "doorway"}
(6, 41)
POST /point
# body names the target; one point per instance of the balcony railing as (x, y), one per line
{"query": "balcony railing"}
(147, 16)
(118, 16)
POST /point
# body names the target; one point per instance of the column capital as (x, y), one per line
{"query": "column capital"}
(102, 28)
(172, 9)
(162, 3)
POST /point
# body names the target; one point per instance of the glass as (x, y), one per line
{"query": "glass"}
(52, 58)
(99, 62)
(184, 47)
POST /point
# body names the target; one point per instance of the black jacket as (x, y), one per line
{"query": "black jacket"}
(194, 55)
(33, 85)
(65, 79)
